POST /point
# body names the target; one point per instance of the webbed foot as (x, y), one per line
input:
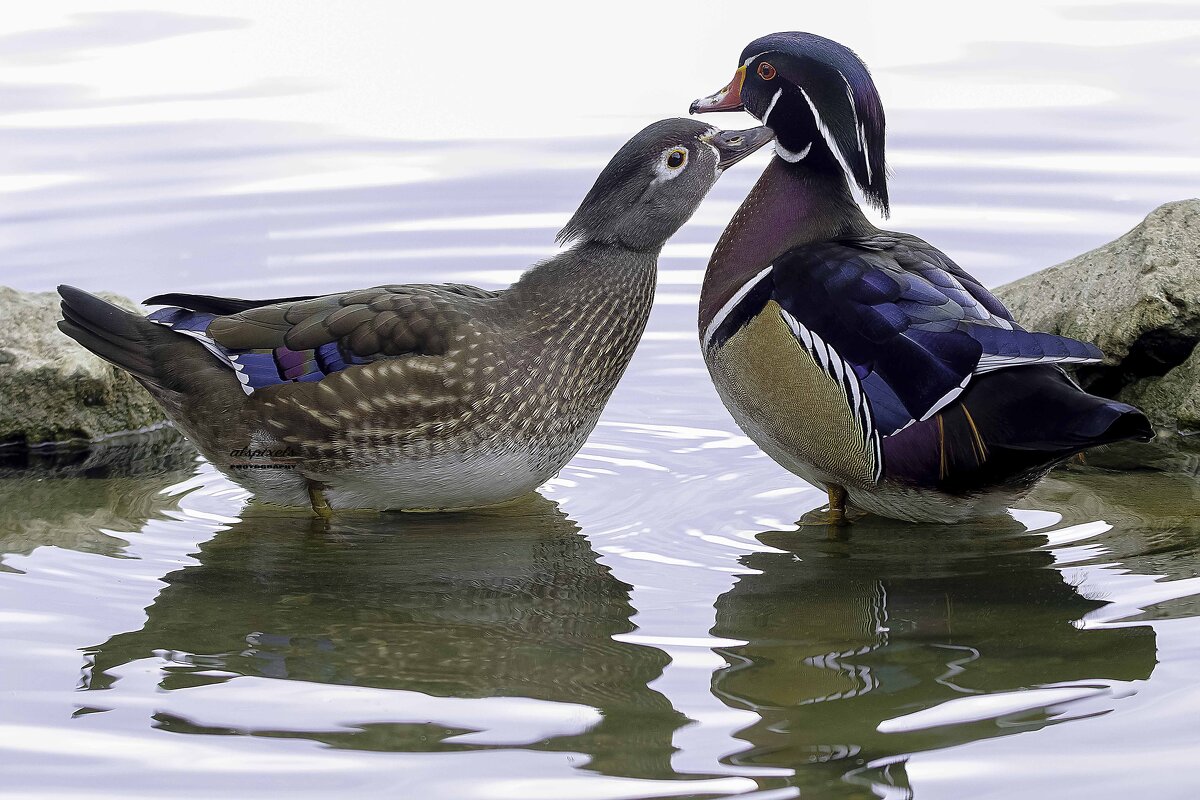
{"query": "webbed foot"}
(320, 505)
(833, 515)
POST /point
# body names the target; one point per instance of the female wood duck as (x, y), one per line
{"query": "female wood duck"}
(862, 360)
(422, 396)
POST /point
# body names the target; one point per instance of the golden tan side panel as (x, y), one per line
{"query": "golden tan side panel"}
(783, 391)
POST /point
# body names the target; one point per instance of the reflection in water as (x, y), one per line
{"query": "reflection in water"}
(503, 604)
(847, 638)
(73, 498)
(494, 633)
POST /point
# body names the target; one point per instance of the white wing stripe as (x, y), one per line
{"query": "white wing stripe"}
(222, 356)
(835, 363)
(947, 398)
(990, 363)
(806, 337)
(819, 351)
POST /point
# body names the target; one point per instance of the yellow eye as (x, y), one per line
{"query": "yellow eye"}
(766, 71)
(676, 159)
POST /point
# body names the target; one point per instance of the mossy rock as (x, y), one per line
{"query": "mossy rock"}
(52, 389)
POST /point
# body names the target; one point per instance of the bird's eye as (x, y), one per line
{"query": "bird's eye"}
(766, 71)
(676, 158)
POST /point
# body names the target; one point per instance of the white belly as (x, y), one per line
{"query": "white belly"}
(483, 477)
(436, 484)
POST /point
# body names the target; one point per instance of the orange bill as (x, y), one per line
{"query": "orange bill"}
(727, 99)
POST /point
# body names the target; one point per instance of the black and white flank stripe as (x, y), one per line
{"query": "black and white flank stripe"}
(843, 374)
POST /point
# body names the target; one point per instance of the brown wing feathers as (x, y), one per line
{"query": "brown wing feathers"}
(370, 324)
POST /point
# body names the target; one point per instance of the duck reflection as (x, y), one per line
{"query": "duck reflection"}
(503, 603)
(843, 636)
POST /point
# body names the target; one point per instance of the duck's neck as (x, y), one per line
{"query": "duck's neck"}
(791, 205)
(604, 286)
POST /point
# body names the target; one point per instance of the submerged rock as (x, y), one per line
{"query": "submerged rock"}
(1138, 299)
(51, 389)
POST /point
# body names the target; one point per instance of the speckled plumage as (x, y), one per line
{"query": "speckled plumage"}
(463, 397)
(423, 397)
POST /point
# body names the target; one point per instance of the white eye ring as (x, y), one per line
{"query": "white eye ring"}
(664, 168)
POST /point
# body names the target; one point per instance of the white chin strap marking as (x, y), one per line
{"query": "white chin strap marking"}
(860, 131)
(780, 150)
(771, 107)
(788, 155)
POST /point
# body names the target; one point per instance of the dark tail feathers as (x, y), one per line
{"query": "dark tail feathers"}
(1008, 429)
(1039, 408)
(116, 335)
(1113, 421)
(1029, 418)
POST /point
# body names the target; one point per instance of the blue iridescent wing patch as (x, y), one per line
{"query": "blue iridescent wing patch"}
(913, 325)
(256, 369)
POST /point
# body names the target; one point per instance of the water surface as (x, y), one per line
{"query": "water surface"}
(654, 623)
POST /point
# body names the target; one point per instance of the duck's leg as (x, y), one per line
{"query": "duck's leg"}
(320, 505)
(835, 515)
(837, 504)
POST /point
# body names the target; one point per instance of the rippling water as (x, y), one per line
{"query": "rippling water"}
(655, 623)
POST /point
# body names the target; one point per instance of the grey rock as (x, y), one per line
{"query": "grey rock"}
(1138, 299)
(1174, 395)
(51, 389)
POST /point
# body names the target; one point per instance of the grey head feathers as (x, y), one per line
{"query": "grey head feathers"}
(649, 189)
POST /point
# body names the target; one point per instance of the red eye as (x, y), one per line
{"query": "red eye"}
(766, 71)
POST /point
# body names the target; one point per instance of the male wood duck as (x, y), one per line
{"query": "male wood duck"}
(863, 360)
(422, 397)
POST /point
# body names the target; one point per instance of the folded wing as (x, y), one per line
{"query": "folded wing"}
(911, 326)
(269, 343)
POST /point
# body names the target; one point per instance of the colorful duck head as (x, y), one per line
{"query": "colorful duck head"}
(656, 181)
(818, 98)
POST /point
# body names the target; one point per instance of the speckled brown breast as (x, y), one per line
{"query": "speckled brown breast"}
(788, 404)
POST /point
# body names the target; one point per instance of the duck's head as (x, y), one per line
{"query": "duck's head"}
(819, 99)
(656, 181)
